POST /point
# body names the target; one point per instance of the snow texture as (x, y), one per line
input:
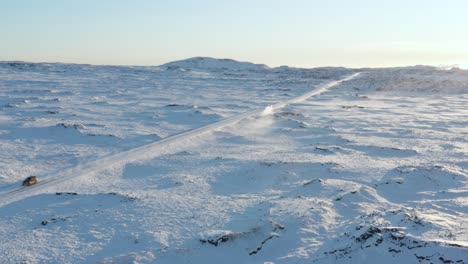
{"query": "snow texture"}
(217, 161)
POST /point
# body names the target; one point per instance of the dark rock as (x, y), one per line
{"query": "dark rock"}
(445, 260)
(261, 245)
(224, 238)
(312, 181)
(74, 126)
(368, 234)
(421, 258)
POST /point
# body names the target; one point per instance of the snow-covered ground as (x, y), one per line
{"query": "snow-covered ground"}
(374, 168)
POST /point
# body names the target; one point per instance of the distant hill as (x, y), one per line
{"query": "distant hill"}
(206, 63)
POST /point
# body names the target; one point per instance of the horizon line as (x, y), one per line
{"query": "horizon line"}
(449, 66)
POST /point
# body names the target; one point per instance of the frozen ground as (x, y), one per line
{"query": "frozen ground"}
(372, 169)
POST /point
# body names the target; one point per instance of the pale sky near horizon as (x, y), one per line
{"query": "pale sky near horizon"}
(302, 33)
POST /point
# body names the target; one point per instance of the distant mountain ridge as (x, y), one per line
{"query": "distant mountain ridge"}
(207, 63)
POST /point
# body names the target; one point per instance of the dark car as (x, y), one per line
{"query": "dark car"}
(31, 180)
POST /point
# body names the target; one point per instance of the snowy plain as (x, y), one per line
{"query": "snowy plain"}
(374, 168)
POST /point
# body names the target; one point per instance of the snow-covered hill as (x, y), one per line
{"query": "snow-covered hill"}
(212, 64)
(418, 79)
(143, 164)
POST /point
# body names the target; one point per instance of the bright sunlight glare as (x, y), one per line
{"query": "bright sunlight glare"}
(464, 66)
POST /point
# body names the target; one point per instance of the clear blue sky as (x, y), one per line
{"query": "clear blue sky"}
(303, 33)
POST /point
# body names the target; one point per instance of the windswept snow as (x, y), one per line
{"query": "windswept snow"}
(373, 169)
(155, 149)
